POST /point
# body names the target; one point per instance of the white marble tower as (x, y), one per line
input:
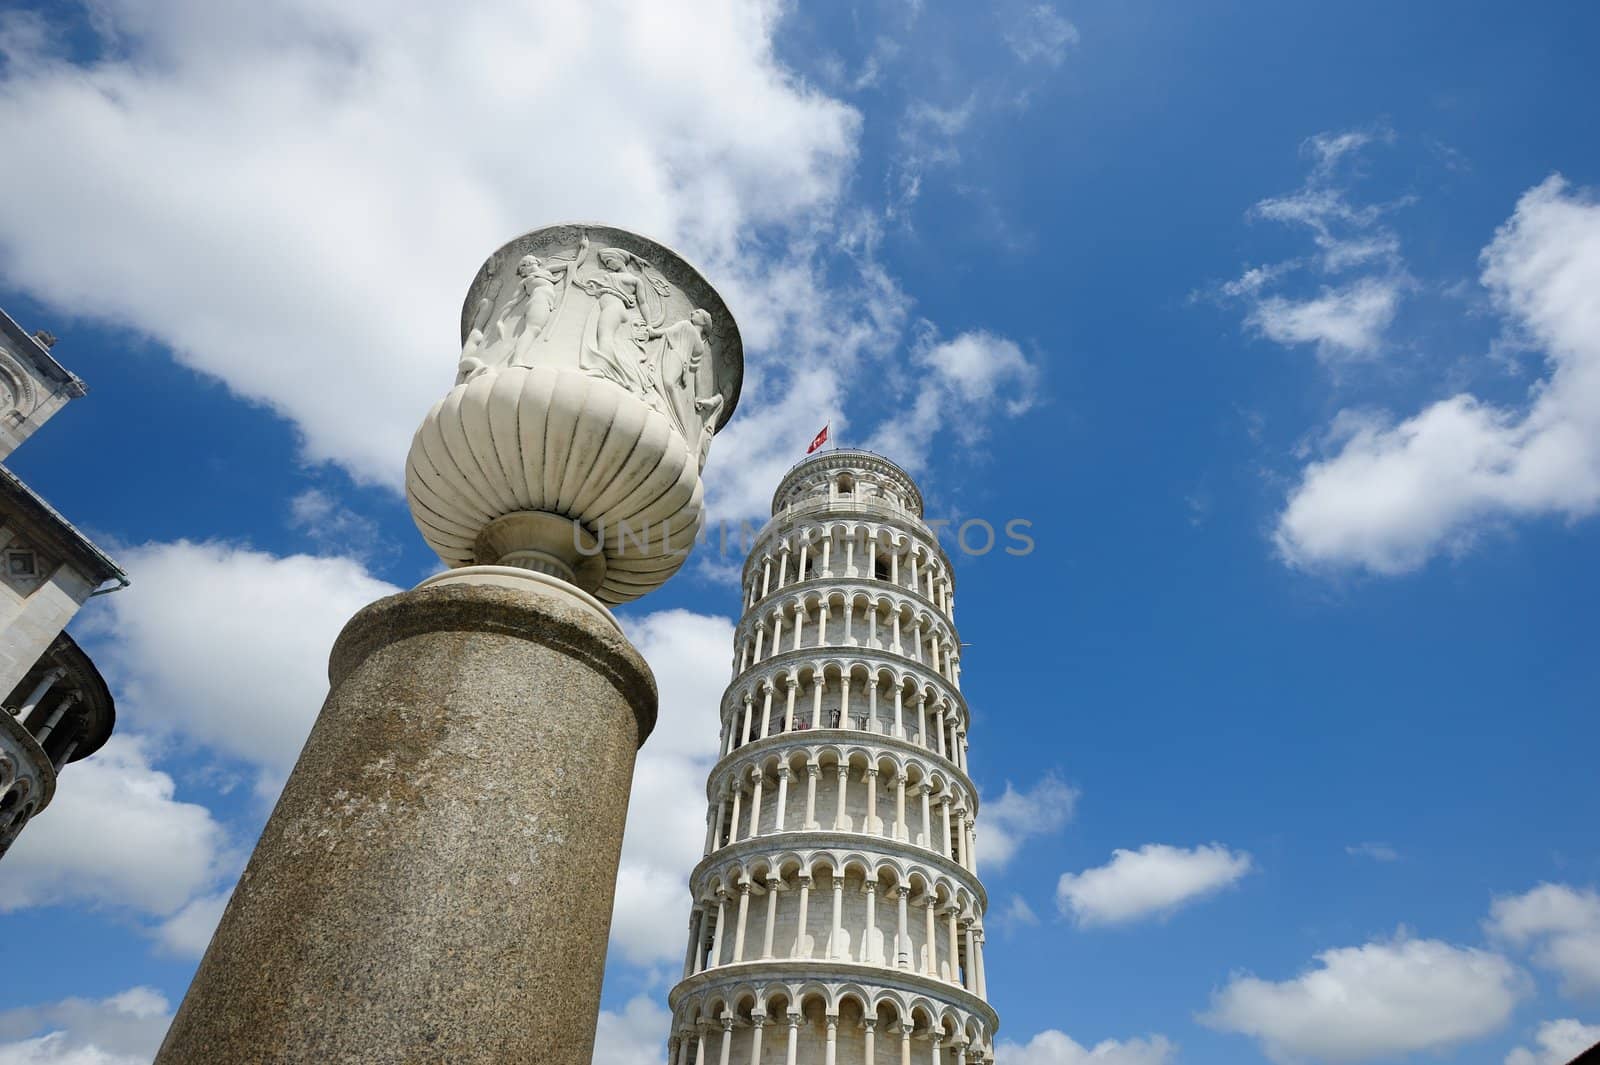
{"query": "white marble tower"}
(837, 915)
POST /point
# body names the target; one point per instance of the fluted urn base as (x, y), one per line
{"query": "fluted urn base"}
(522, 441)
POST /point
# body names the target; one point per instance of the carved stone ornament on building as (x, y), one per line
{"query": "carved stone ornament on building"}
(596, 366)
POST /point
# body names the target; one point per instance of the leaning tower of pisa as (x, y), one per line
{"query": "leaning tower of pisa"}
(837, 915)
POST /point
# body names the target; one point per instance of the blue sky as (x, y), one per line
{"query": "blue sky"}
(1279, 323)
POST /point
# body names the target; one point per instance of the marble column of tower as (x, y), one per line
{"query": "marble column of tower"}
(837, 915)
(436, 881)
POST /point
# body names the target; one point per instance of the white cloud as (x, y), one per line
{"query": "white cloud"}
(1559, 1042)
(293, 195)
(957, 385)
(666, 828)
(228, 646)
(187, 933)
(1378, 852)
(1347, 234)
(636, 1034)
(1561, 924)
(301, 219)
(114, 836)
(335, 528)
(1344, 323)
(1348, 319)
(1016, 914)
(1039, 34)
(1005, 823)
(124, 1029)
(1392, 495)
(1380, 1000)
(1155, 879)
(1052, 1047)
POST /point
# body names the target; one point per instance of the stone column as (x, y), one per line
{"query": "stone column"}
(743, 919)
(737, 786)
(773, 884)
(436, 880)
(841, 817)
(813, 773)
(870, 889)
(758, 1020)
(805, 910)
(900, 807)
(694, 939)
(983, 986)
(902, 945)
(757, 780)
(716, 936)
(35, 697)
(838, 915)
(781, 814)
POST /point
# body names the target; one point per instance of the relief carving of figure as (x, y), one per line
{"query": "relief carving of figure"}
(685, 379)
(628, 304)
(683, 348)
(471, 365)
(535, 300)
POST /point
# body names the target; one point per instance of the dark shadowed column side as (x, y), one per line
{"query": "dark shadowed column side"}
(436, 881)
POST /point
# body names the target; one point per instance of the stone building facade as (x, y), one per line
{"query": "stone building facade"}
(58, 709)
(837, 915)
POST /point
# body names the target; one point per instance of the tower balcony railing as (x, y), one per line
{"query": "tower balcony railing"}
(835, 847)
(847, 507)
(873, 661)
(850, 584)
(786, 746)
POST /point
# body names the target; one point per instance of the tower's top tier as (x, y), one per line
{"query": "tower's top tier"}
(847, 475)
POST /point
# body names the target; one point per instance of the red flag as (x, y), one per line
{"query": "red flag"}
(822, 438)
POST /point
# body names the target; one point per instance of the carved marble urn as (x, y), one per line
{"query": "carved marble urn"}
(596, 366)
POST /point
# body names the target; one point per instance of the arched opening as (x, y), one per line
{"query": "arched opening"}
(846, 484)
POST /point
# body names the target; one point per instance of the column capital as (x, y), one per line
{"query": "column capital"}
(783, 772)
(758, 1018)
(904, 891)
(727, 1024)
(814, 769)
(871, 772)
(756, 774)
(791, 682)
(774, 882)
(744, 887)
(869, 1023)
